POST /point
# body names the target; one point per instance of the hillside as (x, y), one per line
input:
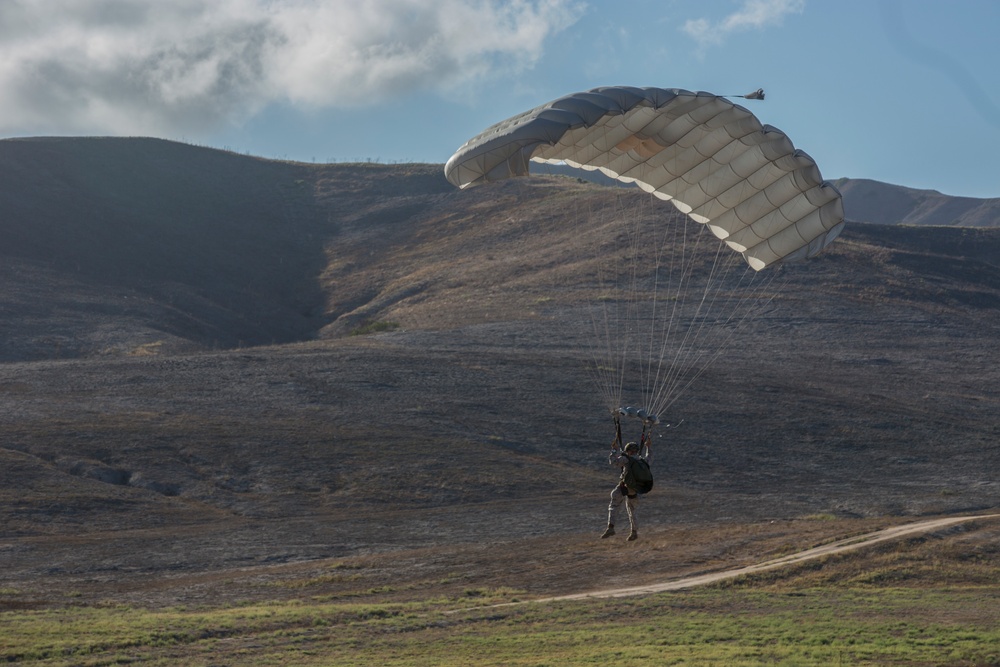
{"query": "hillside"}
(115, 246)
(130, 246)
(111, 244)
(186, 410)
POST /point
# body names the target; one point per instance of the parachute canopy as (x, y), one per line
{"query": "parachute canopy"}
(711, 158)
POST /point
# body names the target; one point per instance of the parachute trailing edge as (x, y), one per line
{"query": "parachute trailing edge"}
(711, 158)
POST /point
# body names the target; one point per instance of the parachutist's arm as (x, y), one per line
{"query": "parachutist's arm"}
(617, 458)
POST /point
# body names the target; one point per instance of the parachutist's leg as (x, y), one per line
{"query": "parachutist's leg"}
(617, 497)
(632, 507)
(616, 502)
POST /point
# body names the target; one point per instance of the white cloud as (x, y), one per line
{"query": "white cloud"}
(753, 15)
(190, 66)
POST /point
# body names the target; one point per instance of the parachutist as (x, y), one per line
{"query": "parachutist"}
(635, 480)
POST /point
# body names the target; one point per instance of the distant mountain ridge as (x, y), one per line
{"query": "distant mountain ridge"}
(870, 201)
(882, 203)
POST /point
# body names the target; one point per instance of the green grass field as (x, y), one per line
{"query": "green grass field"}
(924, 600)
(732, 625)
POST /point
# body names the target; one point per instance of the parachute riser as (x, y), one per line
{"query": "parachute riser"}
(649, 422)
(636, 413)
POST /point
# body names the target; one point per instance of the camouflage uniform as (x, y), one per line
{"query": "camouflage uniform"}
(622, 494)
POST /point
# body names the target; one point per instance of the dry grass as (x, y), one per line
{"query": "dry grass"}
(157, 450)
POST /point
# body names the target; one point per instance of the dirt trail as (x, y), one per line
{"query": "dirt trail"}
(840, 546)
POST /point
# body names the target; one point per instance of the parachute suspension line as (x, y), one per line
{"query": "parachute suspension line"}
(738, 324)
(617, 317)
(617, 329)
(687, 353)
(678, 268)
(701, 319)
(610, 347)
(683, 323)
(647, 253)
(680, 251)
(623, 331)
(704, 326)
(658, 314)
(633, 302)
(657, 327)
(671, 300)
(649, 379)
(661, 139)
(752, 302)
(602, 368)
(698, 330)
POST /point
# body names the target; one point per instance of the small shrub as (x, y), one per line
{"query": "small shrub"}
(374, 327)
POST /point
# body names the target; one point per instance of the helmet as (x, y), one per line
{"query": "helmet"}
(632, 448)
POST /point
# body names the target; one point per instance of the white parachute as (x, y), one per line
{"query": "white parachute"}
(718, 165)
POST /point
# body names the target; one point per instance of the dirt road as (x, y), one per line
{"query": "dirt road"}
(840, 546)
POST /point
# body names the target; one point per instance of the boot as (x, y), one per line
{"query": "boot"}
(632, 536)
(609, 532)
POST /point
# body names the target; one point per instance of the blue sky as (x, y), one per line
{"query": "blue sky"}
(902, 91)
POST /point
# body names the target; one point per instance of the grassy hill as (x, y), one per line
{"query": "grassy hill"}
(229, 380)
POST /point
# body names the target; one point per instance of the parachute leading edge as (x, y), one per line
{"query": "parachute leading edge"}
(709, 157)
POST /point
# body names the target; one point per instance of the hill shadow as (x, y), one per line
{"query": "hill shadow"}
(126, 245)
